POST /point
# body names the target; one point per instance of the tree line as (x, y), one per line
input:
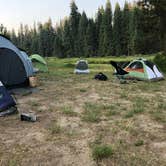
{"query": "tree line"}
(127, 31)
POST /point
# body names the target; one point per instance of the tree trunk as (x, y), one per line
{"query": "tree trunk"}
(164, 44)
(163, 34)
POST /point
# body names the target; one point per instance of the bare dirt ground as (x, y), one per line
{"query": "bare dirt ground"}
(126, 114)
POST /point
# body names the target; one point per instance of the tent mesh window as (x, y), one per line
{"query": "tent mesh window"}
(136, 65)
(82, 66)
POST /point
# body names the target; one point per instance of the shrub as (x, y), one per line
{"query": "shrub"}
(129, 114)
(91, 113)
(91, 116)
(160, 61)
(83, 90)
(69, 65)
(102, 151)
(68, 111)
(55, 128)
(139, 143)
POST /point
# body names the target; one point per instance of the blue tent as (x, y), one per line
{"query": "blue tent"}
(28, 64)
(15, 66)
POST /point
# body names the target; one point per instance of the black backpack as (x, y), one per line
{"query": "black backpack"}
(100, 76)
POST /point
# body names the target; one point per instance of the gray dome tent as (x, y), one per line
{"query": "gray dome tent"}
(15, 67)
(81, 67)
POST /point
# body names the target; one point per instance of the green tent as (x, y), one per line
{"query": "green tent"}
(39, 63)
(140, 69)
(143, 69)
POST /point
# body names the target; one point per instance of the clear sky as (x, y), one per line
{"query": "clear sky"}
(14, 12)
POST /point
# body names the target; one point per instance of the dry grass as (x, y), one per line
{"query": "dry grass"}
(124, 122)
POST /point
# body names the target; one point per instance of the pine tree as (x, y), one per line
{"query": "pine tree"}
(138, 34)
(125, 29)
(117, 30)
(27, 39)
(159, 7)
(21, 36)
(98, 22)
(82, 34)
(108, 34)
(58, 44)
(90, 45)
(146, 36)
(74, 23)
(4, 31)
(14, 37)
(35, 40)
(46, 37)
(42, 46)
(101, 32)
(133, 31)
(67, 40)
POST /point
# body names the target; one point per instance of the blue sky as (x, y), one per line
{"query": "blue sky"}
(14, 12)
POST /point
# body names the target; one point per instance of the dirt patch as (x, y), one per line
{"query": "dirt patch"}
(148, 125)
(161, 148)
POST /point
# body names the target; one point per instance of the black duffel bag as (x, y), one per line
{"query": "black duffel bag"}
(100, 76)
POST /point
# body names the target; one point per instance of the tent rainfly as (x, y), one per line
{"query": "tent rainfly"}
(81, 67)
(15, 67)
(39, 63)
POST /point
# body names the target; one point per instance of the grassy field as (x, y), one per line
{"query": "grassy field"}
(84, 122)
(99, 60)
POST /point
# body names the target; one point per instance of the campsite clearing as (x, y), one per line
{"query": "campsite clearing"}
(79, 118)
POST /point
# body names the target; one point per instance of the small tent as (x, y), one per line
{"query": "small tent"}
(39, 63)
(143, 69)
(81, 67)
(6, 100)
(14, 67)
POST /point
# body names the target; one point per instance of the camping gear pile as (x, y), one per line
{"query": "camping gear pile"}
(101, 77)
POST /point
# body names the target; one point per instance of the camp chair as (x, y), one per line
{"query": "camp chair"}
(119, 70)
